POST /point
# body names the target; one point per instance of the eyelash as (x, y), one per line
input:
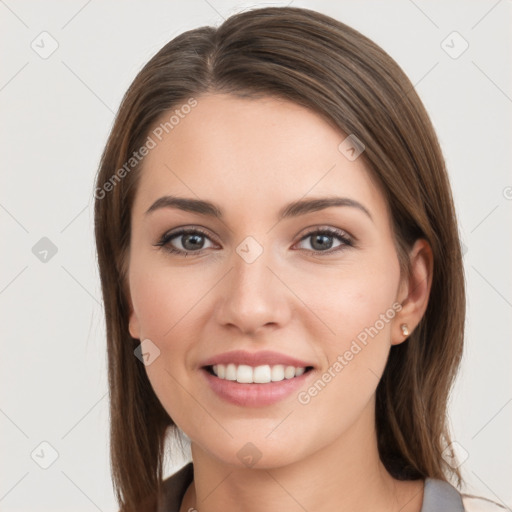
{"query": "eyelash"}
(164, 242)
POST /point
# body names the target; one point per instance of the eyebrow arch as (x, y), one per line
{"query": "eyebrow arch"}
(294, 209)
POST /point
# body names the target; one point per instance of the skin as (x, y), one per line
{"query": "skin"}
(251, 157)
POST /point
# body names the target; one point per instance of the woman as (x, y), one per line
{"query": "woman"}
(278, 251)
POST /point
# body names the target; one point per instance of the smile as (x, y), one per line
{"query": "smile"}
(249, 392)
(262, 374)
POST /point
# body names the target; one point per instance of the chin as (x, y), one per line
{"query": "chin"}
(255, 454)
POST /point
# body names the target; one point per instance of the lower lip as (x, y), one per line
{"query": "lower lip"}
(254, 395)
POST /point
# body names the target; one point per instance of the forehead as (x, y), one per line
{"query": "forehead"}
(251, 153)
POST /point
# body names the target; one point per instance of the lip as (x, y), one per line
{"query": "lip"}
(255, 395)
(255, 359)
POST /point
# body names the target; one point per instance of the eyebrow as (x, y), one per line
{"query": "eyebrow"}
(293, 209)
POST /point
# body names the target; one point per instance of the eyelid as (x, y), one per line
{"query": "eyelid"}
(331, 229)
(182, 230)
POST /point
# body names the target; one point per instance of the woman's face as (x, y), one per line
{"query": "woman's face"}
(263, 286)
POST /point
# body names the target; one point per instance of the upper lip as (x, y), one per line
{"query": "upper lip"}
(255, 359)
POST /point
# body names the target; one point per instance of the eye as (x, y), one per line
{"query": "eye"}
(184, 241)
(192, 241)
(322, 240)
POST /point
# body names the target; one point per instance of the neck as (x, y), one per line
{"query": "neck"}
(343, 476)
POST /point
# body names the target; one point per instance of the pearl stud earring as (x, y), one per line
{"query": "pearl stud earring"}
(405, 329)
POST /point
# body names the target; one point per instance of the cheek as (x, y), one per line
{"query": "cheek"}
(352, 299)
(360, 309)
(358, 305)
(163, 299)
(165, 303)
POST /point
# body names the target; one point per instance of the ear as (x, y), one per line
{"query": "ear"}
(414, 291)
(133, 322)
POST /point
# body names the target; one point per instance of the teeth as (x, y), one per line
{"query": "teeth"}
(244, 373)
(230, 371)
(259, 375)
(277, 372)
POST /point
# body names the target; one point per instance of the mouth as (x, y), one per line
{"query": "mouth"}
(255, 386)
(263, 374)
(255, 379)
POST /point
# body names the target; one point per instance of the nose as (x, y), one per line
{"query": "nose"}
(252, 297)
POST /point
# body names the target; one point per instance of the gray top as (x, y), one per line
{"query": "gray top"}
(438, 496)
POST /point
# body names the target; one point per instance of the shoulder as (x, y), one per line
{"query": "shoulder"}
(479, 504)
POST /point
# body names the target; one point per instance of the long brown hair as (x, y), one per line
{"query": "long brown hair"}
(315, 61)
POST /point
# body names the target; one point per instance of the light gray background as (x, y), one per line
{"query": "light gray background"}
(56, 115)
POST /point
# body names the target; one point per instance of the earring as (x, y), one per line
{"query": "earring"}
(405, 329)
